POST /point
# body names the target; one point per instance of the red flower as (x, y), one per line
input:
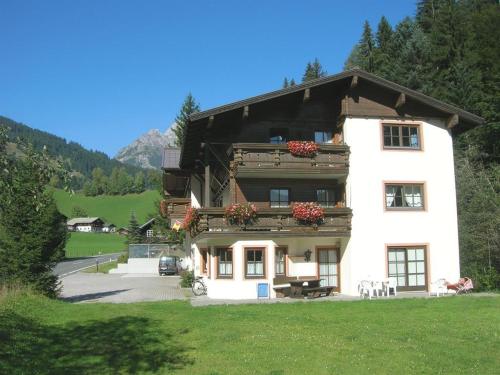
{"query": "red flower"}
(308, 212)
(191, 219)
(306, 149)
(241, 213)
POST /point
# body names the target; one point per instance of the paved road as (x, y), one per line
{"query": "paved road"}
(75, 264)
(98, 287)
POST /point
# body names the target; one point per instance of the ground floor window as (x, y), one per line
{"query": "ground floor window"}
(280, 261)
(407, 266)
(224, 263)
(254, 262)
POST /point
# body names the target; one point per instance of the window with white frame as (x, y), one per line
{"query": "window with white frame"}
(149, 233)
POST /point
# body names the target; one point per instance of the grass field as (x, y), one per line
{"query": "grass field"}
(456, 335)
(113, 208)
(87, 244)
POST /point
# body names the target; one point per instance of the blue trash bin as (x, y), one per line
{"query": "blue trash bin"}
(263, 290)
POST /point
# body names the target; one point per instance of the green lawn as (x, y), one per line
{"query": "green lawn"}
(87, 244)
(101, 268)
(456, 335)
(114, 208)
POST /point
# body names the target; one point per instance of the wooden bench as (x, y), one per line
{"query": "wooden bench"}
(281, 285)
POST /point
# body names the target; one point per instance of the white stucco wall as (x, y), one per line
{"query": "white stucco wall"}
(240, 288)
(373, 228)
(196, 192)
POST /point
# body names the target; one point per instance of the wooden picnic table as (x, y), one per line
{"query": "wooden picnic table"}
(297, 286)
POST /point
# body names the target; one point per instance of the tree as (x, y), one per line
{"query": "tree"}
(78, 211)
(313, 70)
(366, 48)
(32, 231)
(134, 235)
(285, 83)
(139, 182)
(292, 82)
(189, 106)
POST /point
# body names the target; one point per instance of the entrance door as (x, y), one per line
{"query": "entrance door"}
(328, 267)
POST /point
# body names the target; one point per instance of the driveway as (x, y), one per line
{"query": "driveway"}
(97, 287)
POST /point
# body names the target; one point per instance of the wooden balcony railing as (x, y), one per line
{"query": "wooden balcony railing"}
(255, 158)
(276, 221)
(175, 208)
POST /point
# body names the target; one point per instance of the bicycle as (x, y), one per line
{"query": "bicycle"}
(198, 286)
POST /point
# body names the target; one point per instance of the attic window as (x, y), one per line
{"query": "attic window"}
(402, 136)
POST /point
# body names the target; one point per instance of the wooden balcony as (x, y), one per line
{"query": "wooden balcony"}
(176, 208)
(255, 159)
(274, 222)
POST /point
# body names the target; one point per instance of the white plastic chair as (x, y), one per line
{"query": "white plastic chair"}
(439, 287)
(365, 287)
(391, 283)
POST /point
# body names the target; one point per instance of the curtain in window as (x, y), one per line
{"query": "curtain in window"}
(389, 195)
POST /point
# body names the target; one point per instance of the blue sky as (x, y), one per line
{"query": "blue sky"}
(102, 72)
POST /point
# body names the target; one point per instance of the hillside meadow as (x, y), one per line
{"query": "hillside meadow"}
(113, 208)
(453, 335)
(89, 244)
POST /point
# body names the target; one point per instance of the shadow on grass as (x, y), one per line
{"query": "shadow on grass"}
(125, 345)
(92, 296)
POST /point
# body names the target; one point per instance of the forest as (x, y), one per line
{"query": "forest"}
(91, 171)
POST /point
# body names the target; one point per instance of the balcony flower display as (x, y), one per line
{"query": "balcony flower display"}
(305, 149)
(308, 213)
(241, 213)
(191, 220)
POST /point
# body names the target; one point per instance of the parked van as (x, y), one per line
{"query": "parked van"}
(168, 265)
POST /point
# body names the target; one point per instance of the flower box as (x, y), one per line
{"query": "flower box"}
(240, 213)
(308, 213)
(191, 220)
(305, 149)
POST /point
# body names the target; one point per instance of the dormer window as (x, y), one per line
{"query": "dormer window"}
(402, 136)
(278, 135)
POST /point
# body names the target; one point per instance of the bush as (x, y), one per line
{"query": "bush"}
(123, 258)
(187, 278)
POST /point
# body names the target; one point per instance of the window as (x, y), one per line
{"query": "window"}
(280, 260)
(278, 136)
(254, 262)
(325, 197)
(321, 136)
(402, 136)
(204, 261)
(407, 267)
(404, 196)
(279, 197)
(224, 263)
(149, 233)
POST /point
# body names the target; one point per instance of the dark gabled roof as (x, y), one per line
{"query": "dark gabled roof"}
(438, 104)
(198, 121)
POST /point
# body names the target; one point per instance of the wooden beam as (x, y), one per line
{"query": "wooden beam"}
(246, 111)
(307, 95)
(401, 100)
(210, 122)
(207, 191)
(452, 121)
(354, 82)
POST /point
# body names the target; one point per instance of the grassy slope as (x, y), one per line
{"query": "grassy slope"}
(85, 244)
(457, 335)
(115, 209)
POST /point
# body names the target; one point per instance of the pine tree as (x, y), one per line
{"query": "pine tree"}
(32, 231)
(139, 182)
(366, 48)
(292, 82)
(285, 83)
(382, 59)
(188, 108)
(313, 70)
(134, 235)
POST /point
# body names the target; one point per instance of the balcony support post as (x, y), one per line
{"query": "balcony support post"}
(208, 198)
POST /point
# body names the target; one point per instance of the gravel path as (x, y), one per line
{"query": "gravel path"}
(96, 287)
